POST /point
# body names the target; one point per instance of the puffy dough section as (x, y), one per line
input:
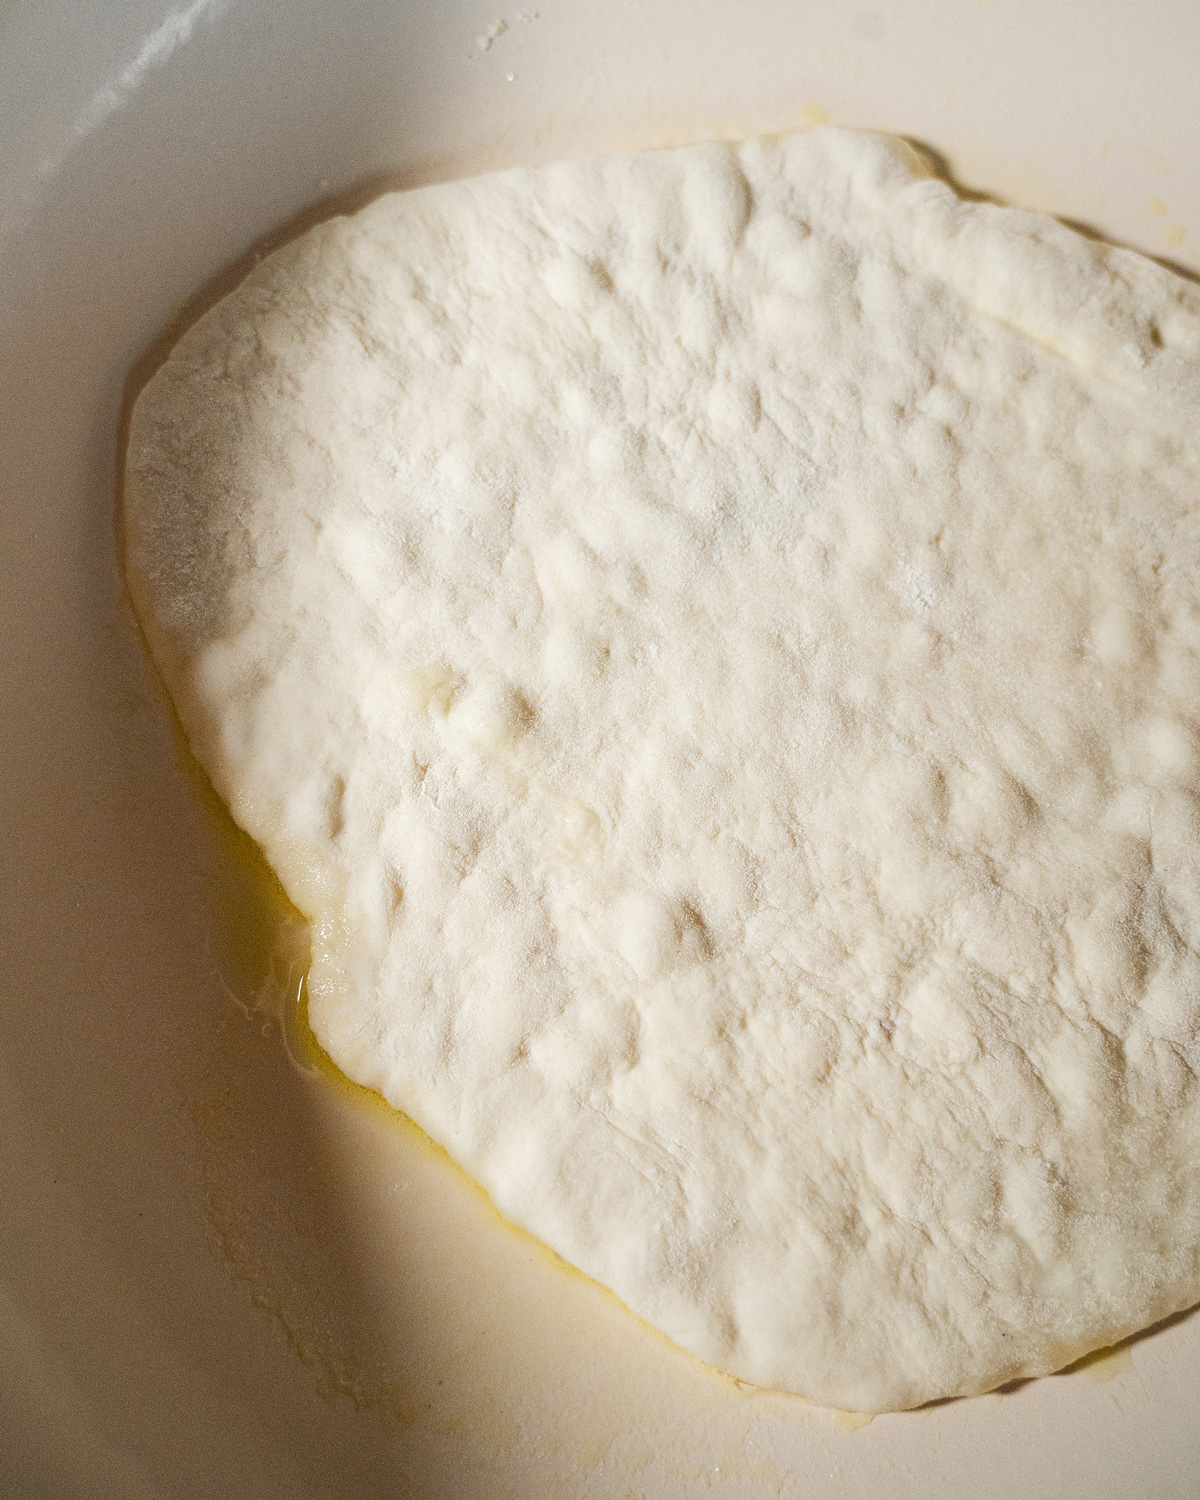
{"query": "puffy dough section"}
(710, 639)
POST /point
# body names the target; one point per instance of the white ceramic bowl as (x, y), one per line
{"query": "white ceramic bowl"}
(219, 1274)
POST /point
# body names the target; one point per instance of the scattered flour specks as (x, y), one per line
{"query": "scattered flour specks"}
(492, 34)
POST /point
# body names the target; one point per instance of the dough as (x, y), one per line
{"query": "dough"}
(710, 639)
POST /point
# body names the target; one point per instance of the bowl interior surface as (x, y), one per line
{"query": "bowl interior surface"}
(221, 1272)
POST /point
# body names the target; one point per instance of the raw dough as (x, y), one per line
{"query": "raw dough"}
(710, 638)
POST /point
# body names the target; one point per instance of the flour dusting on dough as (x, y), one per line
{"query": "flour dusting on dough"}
(710, 638)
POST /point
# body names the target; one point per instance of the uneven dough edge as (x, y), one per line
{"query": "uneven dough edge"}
(1143, 345)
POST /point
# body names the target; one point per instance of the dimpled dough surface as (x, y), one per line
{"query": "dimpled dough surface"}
(710, 639)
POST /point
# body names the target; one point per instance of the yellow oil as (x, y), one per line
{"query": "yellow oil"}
(262, 948)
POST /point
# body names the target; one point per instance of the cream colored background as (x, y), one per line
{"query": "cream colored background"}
(219, 1274)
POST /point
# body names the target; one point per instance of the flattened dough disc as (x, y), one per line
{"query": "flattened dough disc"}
(710, 639)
